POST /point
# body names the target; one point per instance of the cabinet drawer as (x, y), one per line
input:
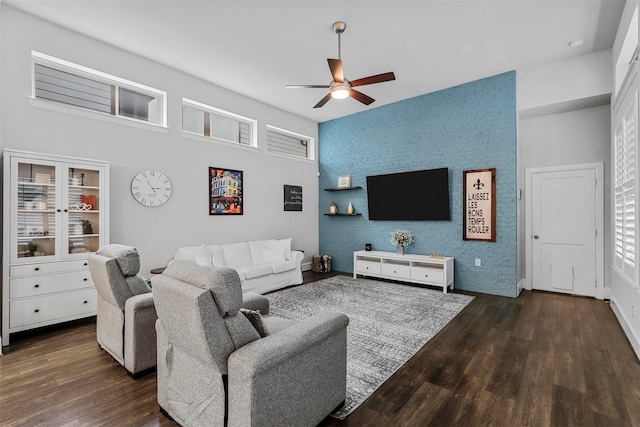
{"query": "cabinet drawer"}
(428, 275)
(40, 285)
(47, 267)
(395, 270)
(46, 309)
(367, 267)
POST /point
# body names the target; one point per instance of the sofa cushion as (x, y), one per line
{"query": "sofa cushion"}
(187, 252)
(236, 254)
(273, 255)
(281, 245)
(256, 247)
(252, 271)
(279, 267)
(203, 256)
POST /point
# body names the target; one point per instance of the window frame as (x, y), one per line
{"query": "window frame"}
(253, 124)
(38, 58)
(309, 139)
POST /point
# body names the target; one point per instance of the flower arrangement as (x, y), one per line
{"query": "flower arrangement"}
(401, 237)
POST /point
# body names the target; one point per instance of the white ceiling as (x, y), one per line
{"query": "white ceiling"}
(257, 47)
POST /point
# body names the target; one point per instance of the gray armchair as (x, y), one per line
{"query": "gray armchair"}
(126, 314)
(215, 369)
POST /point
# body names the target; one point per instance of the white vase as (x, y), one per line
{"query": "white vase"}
(400, 249)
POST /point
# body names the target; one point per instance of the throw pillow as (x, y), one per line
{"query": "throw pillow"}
(255, 317)
(282, 245)
(204, 257)
(273, 255)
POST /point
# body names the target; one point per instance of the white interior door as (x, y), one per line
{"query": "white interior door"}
(563, 231)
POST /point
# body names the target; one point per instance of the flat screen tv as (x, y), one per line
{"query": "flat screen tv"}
(412, 196)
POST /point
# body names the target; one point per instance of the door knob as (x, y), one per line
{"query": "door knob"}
(536, 236)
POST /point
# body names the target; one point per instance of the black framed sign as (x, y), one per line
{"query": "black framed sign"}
(292, 198)
(479, 205)
(225, 191)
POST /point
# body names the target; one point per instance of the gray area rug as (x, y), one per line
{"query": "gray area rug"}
(388, 323)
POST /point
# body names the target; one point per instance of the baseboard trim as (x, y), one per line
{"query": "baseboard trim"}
(626, 327)
(306, 266)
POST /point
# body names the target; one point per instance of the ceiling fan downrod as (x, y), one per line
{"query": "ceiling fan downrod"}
(339, 28)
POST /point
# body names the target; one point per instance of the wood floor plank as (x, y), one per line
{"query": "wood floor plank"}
(501, 362)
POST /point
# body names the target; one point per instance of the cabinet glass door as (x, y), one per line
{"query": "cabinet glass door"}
(83, 204)
(34, 220)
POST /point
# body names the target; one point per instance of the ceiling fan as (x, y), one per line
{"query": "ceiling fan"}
(340, 88)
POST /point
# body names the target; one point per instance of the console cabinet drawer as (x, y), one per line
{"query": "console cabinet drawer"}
(367, 267)
(427, 275)
(40, 285)
(396, 270)
(49, 308)
(48, 267)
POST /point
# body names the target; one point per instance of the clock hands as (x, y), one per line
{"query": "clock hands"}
(154, 190)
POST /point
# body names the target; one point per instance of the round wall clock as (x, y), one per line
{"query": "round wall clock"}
(151, 188)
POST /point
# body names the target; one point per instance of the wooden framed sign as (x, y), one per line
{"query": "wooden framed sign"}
(479, 205)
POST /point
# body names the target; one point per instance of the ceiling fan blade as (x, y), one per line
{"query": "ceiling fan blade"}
(378, 78)
(323, 101)
(359, 96)
(307, 86)
(336, 70)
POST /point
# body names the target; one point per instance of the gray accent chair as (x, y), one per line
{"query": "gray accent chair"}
(214, 369)
(125, 325)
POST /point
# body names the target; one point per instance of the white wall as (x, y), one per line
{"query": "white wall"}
(564, 118)
(577, 83)
(183, 220)
(575, 137)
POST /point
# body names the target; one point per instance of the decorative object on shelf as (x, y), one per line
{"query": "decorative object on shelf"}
(333, 208)
(89, 199)
(401, 238)
(367, 247)
(32, 248)
(292, 198)
(72, 179)
(225, 191)
(151, 188)
(86, 227)
(436, 256)
(479, 198)
(81, 207)
(82, 179)
(350, 209)
(344, 181)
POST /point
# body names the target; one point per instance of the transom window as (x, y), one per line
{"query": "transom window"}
(282, 141)
(77, 86)
(205, 120)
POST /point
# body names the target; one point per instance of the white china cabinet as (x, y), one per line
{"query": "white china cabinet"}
(55, 212)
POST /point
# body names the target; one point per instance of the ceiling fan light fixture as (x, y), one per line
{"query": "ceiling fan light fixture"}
(339, 91)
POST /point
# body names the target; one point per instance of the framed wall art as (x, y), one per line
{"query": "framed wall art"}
(225, 191)
(479, 205)
(292, 198)
(344, 181)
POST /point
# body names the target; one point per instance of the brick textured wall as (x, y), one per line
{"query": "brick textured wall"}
(471, 126)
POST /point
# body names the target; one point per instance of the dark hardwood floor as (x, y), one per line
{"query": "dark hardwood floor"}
(542, 359)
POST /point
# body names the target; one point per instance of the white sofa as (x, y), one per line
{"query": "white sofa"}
(263, 265)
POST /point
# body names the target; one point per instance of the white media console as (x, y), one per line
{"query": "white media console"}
(423, 269)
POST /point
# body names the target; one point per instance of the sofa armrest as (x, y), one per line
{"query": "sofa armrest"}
(302, 366)
(297, 256)
(139, 333)
(254, 301)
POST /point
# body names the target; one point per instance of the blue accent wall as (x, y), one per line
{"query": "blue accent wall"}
(471, 126)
